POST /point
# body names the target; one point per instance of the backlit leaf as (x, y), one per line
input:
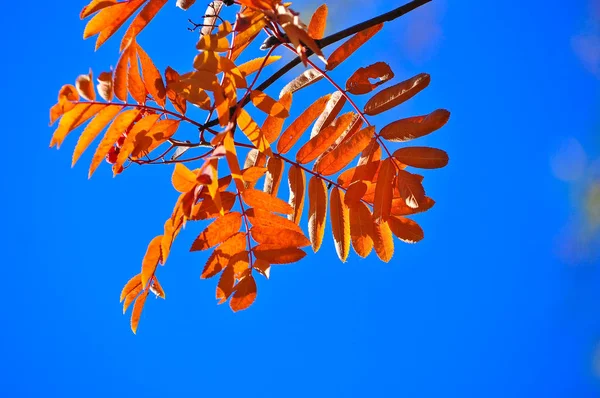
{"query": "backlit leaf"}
(384, 191)
(323, 140)
(157, 289)
(262, 200)
(274, 254)
(133, 294)
(222, 255)
(355, 193)
(74, 118)
(152, 78)
(138, 306)
(340, 223)
(344, 51)
(414, 127)
(85, 86)
(263, 267)
(207, 208)
(135, 83)
(281, 237)
(219, 231)
(66, 97)
(267, 219)
(360, 83)
(400, 208)
(244, 295)
(273, 125)
(422, 157)
(383, 241)
(332, 110)
(297, 185)
(411, 189)
(253, 173)
(141, 20)
(130, 286)
(105, 86)
(171, 77)
(268, 105)
(341, 156)
(110, 19)
(225, 285)
(95, 6)
(253, 132)
(91, 131)
(151, 260)
(397, 94)
(361, 229)
(274, 175)
(406, 229)
(137, 133)
(291, 135)
(305, 79)
(317, 211)
(183, 179)
(254, 65)
(318, 22)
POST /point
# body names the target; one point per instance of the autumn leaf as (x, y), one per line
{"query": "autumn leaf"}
(220, 230)
(340, 224)
(85, 86)
(262, 200)
(414, 127)
(318, 22)
(254, 133)
(221, 257)
(397, 94)
(400, 208)
(274, 175)
(293, 133)
(268, 105)
(332, 110)
(406, 229)
(360, 83)
(341, 156)
(151, 260)
(275, 254)
(226, 285)
(305, 79)
(183, 179)
(273, 125)
(317, 212)
(384, 192)
(297, 185)
(349, 47)
(422, 157)
(383, 241)
(267, 219)
(152, 78)
(244, 295)
(141, 20)
(323, 140)
(75, 117)
(138, 306)
(130, 286)
(281, 237)
(361, 229)
(410, 188)
(91, 131)
(254, 65)
(253, 174)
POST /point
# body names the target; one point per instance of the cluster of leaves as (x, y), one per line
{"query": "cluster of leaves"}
(251, 229)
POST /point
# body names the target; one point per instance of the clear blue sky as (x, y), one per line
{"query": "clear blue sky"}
(490, 304)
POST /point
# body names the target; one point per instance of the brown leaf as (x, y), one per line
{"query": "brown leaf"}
(278, 237)
(414, 127)
(254, 65)
(360, 83)
(324, 139)
(297, 185)
(361, 229)
(291, 135)
(91, 131)
(253, 132)
(222, 255)
(406, 229)
(138, 306)
(273, 125)
(268, 105)
(85, 86)
(151, 260)
(384, 191)
(262, 200)
(105, 86)
(341, 156)
(244, 295)
(344, 51)
(275, 168)
(397, 94)
(258, 217)
(141, 21)
(411, 189)
(219, 231)
(318, 22)
(383, 241)
(317, 211)
(340, 223)
(275, 254)
(422, 157)
(332, 110)
(305, 79)
(152, 78)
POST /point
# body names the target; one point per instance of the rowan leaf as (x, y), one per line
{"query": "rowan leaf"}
(360, 83)
(130, 298)
(278, 236)
(172, 77)
(344, 51)
(365, 172)
(244, 295)
(340, 223)
(324, 139)
(253, 132)
(226, 285)
(318, 22)
(217, 42)
(137, 134)
(95, 6)
(355, 193)
(120, 79)
(222, 255)
(91, 131)
(135, 83)
(341, 156)
(232, 160)
(305, 79)
(384, 191)
(75, 117)
(400, 208)
(422, 157)
(105, 86)
(109, 20)
(130, 286)
(259, 217)
(254, 65)
(361, 229)
(207, 208)
(141, 20)
(406, 229)
(152, 78)
(275, 254)
(262, 200)
(395, 95)
(291, 135)
(273, 125)
(138, 306)
(414, 127)
(253, 174)
(317, 211)
(411, 189)
(151, 260)
(383, 241)
(263, 267)
(268, 105)
(85, 86)
(220, 230)
(157, 289)
(66, 97)
(332, 110)
(274, 175)
(183, 179)
(297, 185)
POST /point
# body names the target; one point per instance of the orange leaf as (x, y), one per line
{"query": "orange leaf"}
(248, 35)
(301, 124)
(400, 208)
(217, 43)
(141, 21)
(253, 174)
(131, 296)
(94, 128)
(406, 230)
(114, 131)
(254, 65)
(383, 241)
(207, 208)
(226, 285)
(297, 184)
(223, 254)
(66, 95)
(397, 94)
(262, 200)
(359, 82)
(411, 189)
(384, 191)
(258, 217)
(268, 105)
(105, 86)
(340, 223)
(361, 229)
(332, 110)
(75, 117)
(354, 127)
(135, 83)
(253, 132)
(341, 156)
(120, 76)
(366, 172)
(244, 295)
(136, 134)
(422, 157)
(275, 254)
(278, 237)
(138, 306)
(171, 77)
(305, 79)
(151, 260)
(232, 160)
(85, 86)
(219, 231)
(95, 6)
(152, 79)
(318, 22)
(355, 193)
(273, 125)
(130, 286)
(414, 127)
(274, 175)
(183, 179)
(317, 211)
(112, 20)
(263, 267)
(161, 131)
(324, 139)
(349, 47)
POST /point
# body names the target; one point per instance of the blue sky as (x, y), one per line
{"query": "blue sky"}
(500, 299)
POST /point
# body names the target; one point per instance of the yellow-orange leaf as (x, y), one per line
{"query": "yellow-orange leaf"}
(137, 133)
(341, 156)
(275, 254)
(254, 65)
(291, 135)
(223, 254)
(114, 131)
(414, 127)
(152, 79)
(112, 21)
(332, 110)
(105, 86)
(306, 78)
(91, 131)
(253, 132)
(244, 295)
(397, 94)
(75, 117)
(141, 20)
(258, 217)
(106, 16)
(248, 35)
(220, 230)
(411, 189)
(354, 127)
(253, 174)
(95, 6)
(400, 208)
(120, 76)
(406, 229)
(422, 157)
(130, 286)
(183, 179)
(232, 160)
(268, 105)
(66, 95)
(317, 211)
(344, 51)
(161, 131)
(297, 184)
(135, 83)
(138, 306)
(274, 175)
(383, 241)
(318, 22)
(324, 139)
(213, 43)
(85, 86)
(151, 260)
(262, 200)
(361, 229)
(273, 125)
(384, 191)
(360, 83)
(340, 224)
(278, 236)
